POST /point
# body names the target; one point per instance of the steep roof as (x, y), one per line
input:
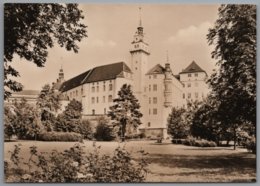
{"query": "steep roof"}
(193, 67)
(157, 69)
(100, 73)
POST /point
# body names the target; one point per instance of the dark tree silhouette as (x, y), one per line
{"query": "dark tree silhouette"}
(234, 83)
(30, 29)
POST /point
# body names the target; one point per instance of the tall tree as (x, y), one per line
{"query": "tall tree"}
(30, 29)
(125, 110)
(234, 83)
(70, 119)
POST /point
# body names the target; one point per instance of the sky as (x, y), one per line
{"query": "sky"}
(179, 29)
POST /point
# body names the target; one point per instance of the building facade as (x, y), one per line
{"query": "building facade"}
(157, 89)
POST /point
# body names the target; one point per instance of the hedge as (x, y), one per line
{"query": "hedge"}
(60, 136)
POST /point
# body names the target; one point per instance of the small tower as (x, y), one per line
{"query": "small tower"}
(61, 76)
(168, 86)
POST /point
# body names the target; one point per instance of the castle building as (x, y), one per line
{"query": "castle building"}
(157, 89)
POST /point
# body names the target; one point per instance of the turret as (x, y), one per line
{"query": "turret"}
(168, 86)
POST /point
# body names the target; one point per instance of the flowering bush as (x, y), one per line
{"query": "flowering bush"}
(74, 165)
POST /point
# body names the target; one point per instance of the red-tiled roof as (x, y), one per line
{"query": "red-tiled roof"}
(101, 73)
(193, 67)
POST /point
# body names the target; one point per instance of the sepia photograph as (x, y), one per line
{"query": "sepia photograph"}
(129, 93)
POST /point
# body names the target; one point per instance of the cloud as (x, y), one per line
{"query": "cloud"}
(103, 43)
(191, 35)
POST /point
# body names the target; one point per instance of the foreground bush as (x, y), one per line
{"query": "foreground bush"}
(194, 142)
(60, 136)
(74, 165)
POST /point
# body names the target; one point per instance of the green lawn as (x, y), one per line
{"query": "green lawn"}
(169, 162)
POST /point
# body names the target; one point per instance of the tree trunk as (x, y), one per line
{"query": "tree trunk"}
(235, 138)
(123, 130)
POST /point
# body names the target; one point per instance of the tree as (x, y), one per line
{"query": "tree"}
(234, 83)
(48, 103)
(69, 120)
(176, 125)
(30, 29)
(125, 110)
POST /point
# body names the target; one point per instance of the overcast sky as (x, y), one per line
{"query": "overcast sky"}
(180, 29)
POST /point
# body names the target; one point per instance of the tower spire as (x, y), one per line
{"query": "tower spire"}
(167, 56)
(140, 16)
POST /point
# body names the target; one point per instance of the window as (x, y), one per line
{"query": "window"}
(110, 87)
(82, 91)
(93, 89)
(189, 95)
(149, 100)
(104, 99)
(183, 95)
(189, 75)
(97, 99)
(189, 85)
(149, 124)
(196, 94)
(104, 87)
(196, 74)
(149, 88)
(155, 100)
(149, 111)
(154, 87)
(93, 112)
(149, 77)
(97, 88)
(154, 111)
(105, 110)
(154, 76)
(110, 98)
(135, 68)
(92, 100)
(183, 85)
(196, 84)
(76, 92)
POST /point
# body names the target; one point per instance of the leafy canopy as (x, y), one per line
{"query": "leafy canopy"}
(31, 29)
(234, 83)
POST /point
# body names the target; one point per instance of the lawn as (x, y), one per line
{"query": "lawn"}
(169, 162)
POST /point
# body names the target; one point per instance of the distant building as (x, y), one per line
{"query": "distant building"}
(158, 89)
(29, 95)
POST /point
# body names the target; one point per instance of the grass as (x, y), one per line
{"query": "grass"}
(169, 162)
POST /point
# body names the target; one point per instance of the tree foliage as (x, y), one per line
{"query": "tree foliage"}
(31, 29)
(23, 120)
(125, 110)
(104, 131)
(176, 125)
(70, 118)
(234, 83)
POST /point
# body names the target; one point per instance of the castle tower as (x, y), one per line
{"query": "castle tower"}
(168, 86)
(139, 60)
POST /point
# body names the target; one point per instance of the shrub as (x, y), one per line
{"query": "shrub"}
(195, 142)
(104, 132)
(74, 165)
(251, 145)
(59, 136)
(85, 129)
